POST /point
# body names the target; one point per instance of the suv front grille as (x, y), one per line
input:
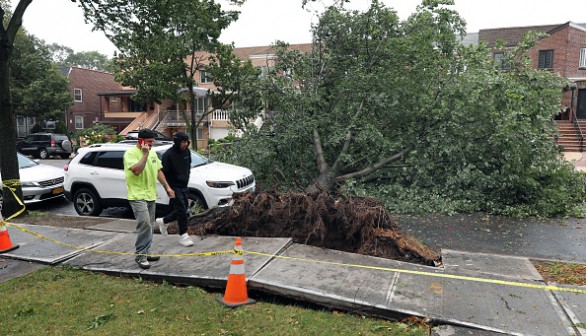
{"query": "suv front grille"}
(51, 182)
(245, 182)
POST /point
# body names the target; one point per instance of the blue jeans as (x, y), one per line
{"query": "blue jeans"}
(144, 212)
(179, 204)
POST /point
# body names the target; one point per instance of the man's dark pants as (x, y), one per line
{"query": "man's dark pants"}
(179, 213)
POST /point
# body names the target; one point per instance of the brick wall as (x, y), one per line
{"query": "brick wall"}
(576, 41)
(91, 82)
(558, 42)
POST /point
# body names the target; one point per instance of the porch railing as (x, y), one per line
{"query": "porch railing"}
(578, 130)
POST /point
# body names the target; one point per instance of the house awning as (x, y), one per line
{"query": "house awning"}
(118, 93)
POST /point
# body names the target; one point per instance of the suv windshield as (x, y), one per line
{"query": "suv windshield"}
(196, 159)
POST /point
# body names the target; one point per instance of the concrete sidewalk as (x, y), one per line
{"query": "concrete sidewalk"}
(493, 293)
(577, 159)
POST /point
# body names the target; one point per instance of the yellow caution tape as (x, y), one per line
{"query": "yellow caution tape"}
(439, 275)
(88, 249)
(11, 185)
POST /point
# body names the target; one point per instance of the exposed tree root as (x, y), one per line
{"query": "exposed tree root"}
(352, 224)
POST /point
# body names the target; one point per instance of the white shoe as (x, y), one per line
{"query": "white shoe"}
(185, 240)
(162, 226)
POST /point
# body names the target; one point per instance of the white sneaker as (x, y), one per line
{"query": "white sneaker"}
(162, 226)
(185, 240)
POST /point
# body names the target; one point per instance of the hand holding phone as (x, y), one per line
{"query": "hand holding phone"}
(145, 148)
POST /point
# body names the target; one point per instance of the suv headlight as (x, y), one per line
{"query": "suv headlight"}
(219, 184)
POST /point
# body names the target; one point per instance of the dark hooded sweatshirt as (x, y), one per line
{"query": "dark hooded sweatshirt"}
(177, 163)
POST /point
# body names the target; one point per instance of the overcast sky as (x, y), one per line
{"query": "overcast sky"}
(264, 21)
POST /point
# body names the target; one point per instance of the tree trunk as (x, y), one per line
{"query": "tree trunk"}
(326, 181)
(193, 130)
(9, 160)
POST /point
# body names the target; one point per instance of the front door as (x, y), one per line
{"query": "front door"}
(581, 107)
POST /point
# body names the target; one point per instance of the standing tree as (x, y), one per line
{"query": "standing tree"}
(38, 88)
(65, 57)
(163, 45)
(9, 162)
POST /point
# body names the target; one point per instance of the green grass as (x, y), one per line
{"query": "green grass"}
(67, 301)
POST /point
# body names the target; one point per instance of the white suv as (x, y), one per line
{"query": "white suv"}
(95, 179)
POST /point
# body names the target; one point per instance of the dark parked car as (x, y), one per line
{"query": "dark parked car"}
(133, 135)
(44, 145)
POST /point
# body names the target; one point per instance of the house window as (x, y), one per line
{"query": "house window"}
(78, 122)
(114, 99)
(501, 60)
(199, 133)
(205, 77)
(545, 59)
(583, 58)
(77, 95)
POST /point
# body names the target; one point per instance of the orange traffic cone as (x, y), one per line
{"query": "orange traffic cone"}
(5, 243)
(236, 294)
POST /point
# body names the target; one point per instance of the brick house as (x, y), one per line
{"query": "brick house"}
(216, 124)
(563, 51)
(84, 86)
(99, 98)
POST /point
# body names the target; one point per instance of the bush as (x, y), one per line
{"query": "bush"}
(98, 133)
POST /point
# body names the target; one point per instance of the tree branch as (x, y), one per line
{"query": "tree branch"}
(16, 20)
(319, 152)
(348, 138)
(375, 166)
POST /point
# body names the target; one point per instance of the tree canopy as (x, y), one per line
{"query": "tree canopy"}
(64, 56)
(402, 111)
(164, 45)
(38, 88)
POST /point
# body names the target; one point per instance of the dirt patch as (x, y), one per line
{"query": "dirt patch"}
(352, 224)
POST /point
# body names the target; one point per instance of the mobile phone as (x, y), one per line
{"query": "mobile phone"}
(140, 142)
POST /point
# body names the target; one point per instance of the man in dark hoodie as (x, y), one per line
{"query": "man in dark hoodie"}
(177, 167)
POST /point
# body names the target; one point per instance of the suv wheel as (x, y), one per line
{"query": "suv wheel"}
(86, 203)
(195, 205)
(43, 154)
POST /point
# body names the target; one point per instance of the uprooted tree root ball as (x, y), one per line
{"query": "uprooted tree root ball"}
(351, 224)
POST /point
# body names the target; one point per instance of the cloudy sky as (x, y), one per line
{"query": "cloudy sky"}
(264, 21)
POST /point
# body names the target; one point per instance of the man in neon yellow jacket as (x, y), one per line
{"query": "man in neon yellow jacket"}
(143, 168)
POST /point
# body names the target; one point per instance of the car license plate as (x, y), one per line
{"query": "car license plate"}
(57, 191)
